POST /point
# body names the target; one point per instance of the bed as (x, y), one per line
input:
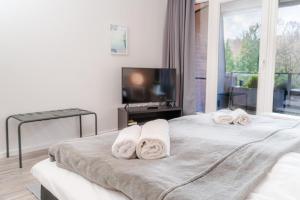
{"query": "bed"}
(278, 183)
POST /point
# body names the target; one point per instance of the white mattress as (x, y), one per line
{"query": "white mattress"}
(66, 185)
(282, 182)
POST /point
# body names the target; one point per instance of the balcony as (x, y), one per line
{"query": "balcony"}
(240, 91)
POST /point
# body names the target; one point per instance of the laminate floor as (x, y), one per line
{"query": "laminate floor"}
(13, 180)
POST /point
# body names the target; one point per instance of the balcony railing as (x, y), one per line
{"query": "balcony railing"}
(240, 90)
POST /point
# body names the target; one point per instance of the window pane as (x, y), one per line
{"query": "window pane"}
(287, 70)
(239, 54)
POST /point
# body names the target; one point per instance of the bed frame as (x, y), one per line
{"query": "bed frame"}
(46, 195)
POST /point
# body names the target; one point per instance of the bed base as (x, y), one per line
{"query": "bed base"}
(46, 195)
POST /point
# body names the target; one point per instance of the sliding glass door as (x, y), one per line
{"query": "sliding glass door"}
(286, 97)
(254, 56)
(238, 59)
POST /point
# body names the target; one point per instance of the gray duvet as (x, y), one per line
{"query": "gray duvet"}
(207, 162)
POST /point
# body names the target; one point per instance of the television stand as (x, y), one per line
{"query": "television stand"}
(140, 115)
(152, 107)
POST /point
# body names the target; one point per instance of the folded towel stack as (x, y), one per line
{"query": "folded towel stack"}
(155, 140)
(240, 117)
(223, 117)
(237, 116)
(152, 141)
(125, 144)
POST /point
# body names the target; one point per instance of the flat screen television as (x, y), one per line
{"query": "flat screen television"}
(143, 85)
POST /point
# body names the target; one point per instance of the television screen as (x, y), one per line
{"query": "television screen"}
(142, 85)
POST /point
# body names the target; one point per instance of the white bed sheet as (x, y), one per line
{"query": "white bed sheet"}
(66, 185)
(282, 182)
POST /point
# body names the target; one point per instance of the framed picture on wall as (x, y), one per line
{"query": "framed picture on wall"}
(119, 39)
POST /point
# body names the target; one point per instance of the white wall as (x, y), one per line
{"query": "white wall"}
(56, 54)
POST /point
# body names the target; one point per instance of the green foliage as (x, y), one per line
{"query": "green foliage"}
(252, 82)
(281, 81)
(230, 66)
(288, 48)
(247, 59)
(242, 55)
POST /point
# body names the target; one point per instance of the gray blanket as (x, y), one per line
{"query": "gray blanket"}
(207, 162)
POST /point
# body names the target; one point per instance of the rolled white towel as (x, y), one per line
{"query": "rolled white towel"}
(126, 142)
(240, 117)
(223, 117)
(154, 141)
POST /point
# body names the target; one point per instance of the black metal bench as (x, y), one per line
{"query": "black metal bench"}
(43, 116)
